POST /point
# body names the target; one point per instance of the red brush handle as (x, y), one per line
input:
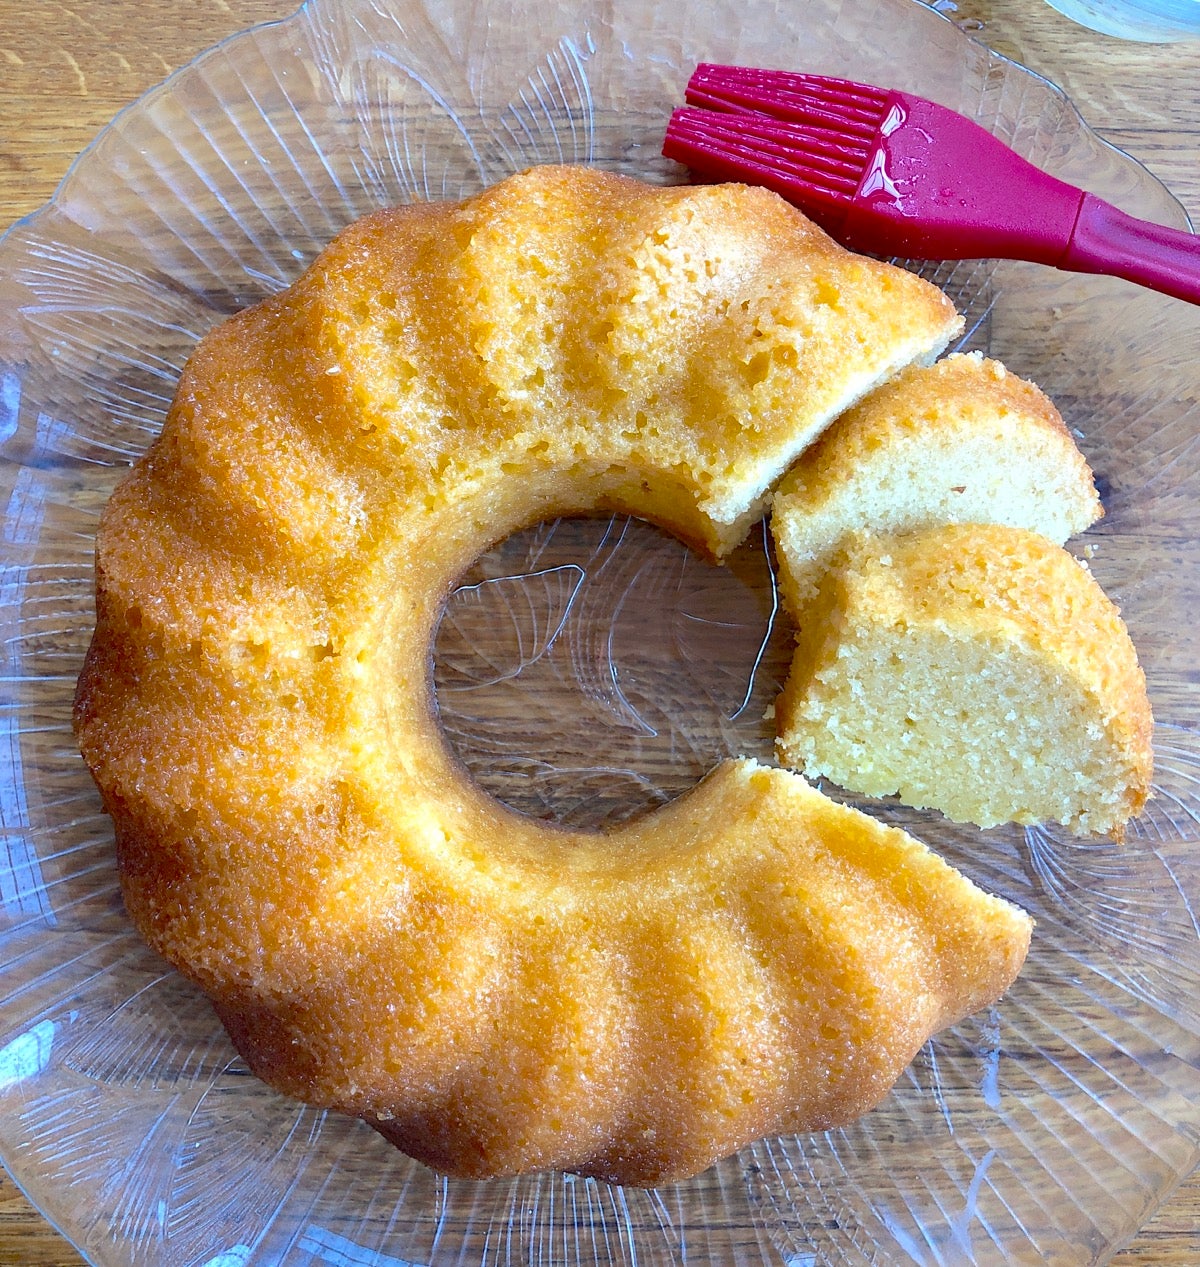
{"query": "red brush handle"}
(1105, 240)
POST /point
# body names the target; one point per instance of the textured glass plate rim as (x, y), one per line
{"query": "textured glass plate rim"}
(168, 85)
(161, 89)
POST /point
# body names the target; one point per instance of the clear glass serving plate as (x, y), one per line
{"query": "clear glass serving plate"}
(587, 670)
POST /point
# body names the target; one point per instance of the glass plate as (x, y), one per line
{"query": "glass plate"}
(1042, 1131)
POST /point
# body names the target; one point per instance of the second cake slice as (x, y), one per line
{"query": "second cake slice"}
(976, 669)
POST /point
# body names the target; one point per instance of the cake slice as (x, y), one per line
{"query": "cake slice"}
(976, 669)
(962, 441)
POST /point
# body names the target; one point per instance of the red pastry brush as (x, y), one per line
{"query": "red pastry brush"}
(893, 174)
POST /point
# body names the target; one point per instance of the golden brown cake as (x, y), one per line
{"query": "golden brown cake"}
(495, 994)
(976, 669)
(962, 441)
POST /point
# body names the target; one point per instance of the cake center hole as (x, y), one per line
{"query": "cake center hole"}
(590, 670)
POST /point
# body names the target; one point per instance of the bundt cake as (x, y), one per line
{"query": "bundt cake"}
(962, 441)
(977, 669)
(492, 993)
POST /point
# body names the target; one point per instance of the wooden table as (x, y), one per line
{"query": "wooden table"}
(68, 68)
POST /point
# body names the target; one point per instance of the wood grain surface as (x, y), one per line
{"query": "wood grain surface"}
(69, 67)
